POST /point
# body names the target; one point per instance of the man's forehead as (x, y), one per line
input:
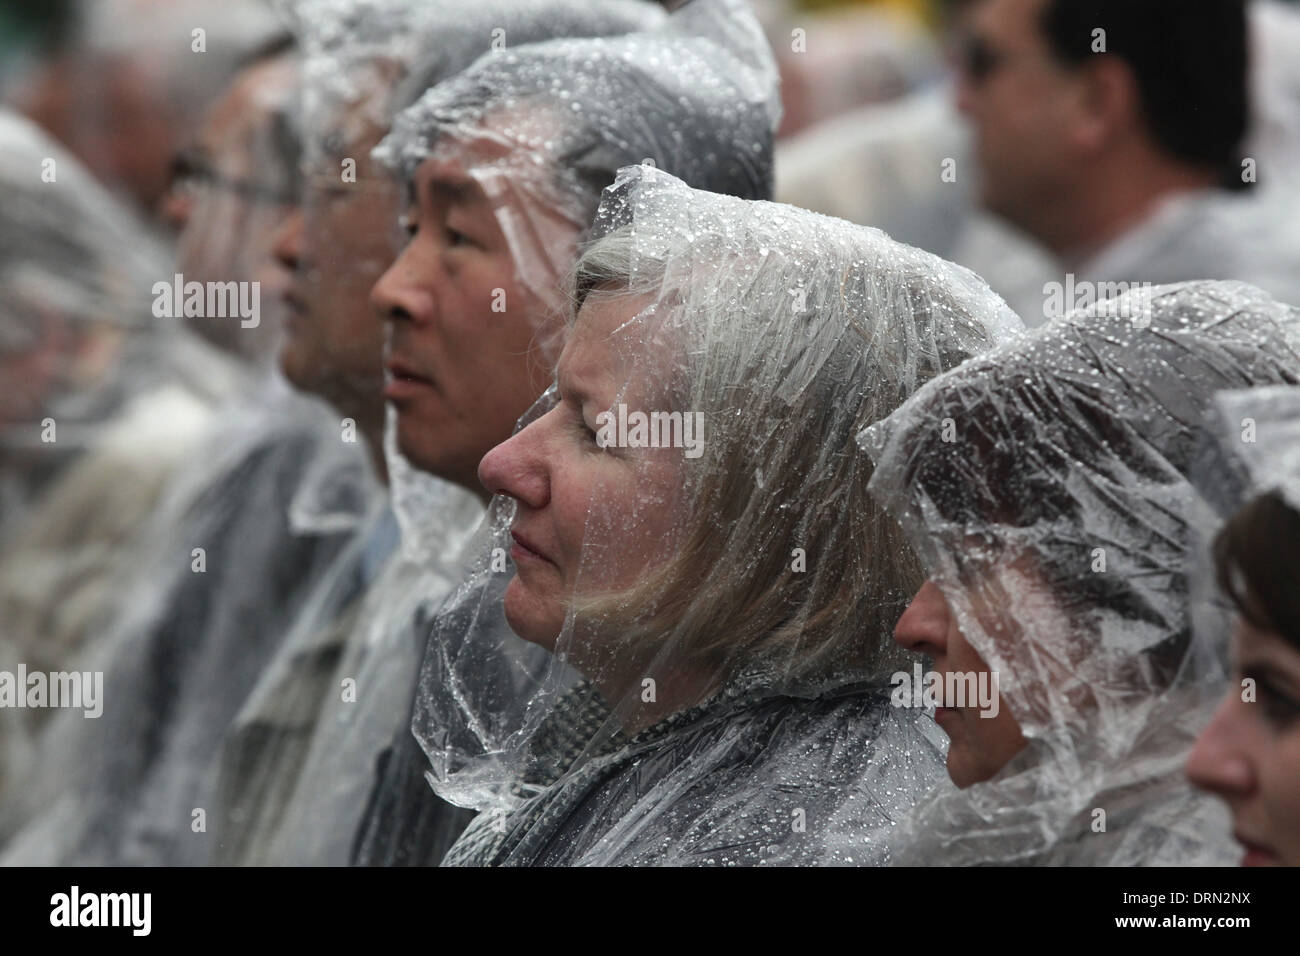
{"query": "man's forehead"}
(505, 140)
(353, 129)
(274, 83)
(247, 113)
(447, 175)
(1010, 18)
(257, 93)
(232, 126)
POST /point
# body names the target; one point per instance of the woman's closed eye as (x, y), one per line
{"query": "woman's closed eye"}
(1280, 708)
(586, 434)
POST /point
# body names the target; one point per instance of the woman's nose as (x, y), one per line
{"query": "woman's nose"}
(518, 469)
(923, 628)
(1218, 761)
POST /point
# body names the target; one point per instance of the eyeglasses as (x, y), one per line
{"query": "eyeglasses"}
(977, 59)
(328, 185)
(191, 169)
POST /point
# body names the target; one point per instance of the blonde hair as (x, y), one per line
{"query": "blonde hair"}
(732, 594)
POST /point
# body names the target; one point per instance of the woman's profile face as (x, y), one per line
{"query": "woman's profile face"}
(982, 739)
(588, 518)
(1250, 753)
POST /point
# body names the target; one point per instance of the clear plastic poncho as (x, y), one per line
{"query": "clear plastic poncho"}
(553, 121)
(1258, 449)
(78, 340)
(261, 498)
(543, 128)
(295, 769)
(100, 403)
(1046, 487)
(1254, 451)
(716, 631)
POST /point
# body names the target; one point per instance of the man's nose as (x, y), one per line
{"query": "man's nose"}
(288, 242)
(397, 296)
(963, 94)
(177, 208)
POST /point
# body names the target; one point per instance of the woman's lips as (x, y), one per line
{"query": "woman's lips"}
(525, 550)
(1257, 855)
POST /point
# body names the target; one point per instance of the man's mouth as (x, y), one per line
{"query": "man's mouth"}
(296, 310)
(403, 380)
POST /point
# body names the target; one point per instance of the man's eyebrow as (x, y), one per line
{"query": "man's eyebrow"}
(455, 189)
(451, 188)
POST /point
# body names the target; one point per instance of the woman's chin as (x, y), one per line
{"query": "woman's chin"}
(531, 618)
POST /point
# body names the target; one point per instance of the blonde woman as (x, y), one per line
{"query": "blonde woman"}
(694, 545)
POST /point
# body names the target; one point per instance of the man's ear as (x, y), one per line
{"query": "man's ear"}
(1109, 104)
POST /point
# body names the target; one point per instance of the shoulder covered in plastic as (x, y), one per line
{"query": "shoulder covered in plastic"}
(760, 782)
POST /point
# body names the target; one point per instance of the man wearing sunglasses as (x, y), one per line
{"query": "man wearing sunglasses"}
(1111, 132)
(1088, 113)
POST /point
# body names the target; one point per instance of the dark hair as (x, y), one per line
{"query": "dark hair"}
(1191, 61)
(1257, 562)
